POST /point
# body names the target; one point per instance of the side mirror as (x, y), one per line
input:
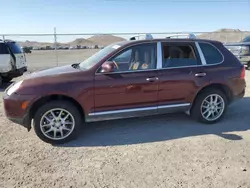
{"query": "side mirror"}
(108, 66)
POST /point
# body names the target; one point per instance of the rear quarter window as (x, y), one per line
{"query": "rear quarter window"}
(3, 49)
(211, 54)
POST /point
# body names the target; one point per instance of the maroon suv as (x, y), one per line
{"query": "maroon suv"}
(128, 79)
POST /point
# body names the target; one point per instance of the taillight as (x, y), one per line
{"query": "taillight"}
(243, 73)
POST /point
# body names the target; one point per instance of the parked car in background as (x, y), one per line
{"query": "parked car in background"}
(128, 79)
(12, 61)
(27, 49)
(241, 50)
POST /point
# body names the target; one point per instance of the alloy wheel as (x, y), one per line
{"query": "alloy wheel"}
(57, 124)
(212, 107)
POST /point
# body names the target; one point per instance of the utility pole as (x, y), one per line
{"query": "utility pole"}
(55, 44)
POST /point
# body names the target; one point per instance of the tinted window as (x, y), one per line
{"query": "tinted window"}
(178, 56)
(139, 57)
(14, 48)
(211, 54)
(247, 39)
(3, 49)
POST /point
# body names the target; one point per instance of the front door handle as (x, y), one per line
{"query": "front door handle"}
(201, 74)
(152, 79)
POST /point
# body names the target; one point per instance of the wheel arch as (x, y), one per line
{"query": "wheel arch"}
(39, 102)
(222, 87)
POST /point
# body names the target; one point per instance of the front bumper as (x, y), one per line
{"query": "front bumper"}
(14, 111)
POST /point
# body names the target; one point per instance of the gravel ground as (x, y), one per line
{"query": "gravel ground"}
(160, 151)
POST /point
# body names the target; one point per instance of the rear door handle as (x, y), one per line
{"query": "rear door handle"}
(152, 79)
(202, 74)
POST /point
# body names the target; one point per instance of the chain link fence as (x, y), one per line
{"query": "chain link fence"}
(55, 49)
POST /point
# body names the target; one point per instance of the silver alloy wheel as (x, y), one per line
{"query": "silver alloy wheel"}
(57, 124)
(212, 107)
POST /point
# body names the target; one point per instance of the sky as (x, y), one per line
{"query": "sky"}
(120, 16)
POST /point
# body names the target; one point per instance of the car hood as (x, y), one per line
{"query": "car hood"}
(53, 72)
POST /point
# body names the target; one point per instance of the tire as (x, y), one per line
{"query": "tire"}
(199, 106)
(1, 81)
(69, 130)
(248, 65)
(7, 79)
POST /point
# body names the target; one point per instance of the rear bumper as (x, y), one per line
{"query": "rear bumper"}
(15, 73)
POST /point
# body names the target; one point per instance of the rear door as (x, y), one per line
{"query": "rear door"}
(5, 65)
(181, 76)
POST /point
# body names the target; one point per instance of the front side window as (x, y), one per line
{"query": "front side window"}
(97, 57)
(175, 56)
(3, 49)
(211, 54)
(139, 57)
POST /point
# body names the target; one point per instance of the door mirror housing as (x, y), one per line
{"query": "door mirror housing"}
(108, 66)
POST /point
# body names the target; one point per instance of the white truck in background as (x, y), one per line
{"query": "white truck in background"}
(12, 61)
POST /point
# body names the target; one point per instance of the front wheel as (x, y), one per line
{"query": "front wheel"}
(57, 122)
(209, 106)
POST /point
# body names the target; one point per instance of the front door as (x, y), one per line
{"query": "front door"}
(131, 89)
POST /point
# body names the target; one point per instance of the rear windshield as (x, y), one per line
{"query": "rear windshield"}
(14, 48)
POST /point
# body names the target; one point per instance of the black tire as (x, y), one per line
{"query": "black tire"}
(196, 108)
(248, 65)
(1, 81)
(7, 79)
(53, 105)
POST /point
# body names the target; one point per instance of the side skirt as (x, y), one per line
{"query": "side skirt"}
(137, 112)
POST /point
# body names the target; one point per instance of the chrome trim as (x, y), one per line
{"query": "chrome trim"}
(138, 109)
(159, 55)
(122, 111)
(159, 67)
(203, 60)
(173, 105)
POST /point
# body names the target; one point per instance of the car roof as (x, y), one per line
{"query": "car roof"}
(165, 40)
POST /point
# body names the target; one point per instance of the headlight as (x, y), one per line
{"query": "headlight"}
(14, 87)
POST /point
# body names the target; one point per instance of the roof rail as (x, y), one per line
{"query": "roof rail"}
(142, 37)
(183, 35)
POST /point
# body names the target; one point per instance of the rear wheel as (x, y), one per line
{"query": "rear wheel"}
(7, 79)
(57, 122)
(248, 65)
(209, 106)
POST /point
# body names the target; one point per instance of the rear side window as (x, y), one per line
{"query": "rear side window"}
(211, 54)
(14, 48)
(175, 55)
(3, 49)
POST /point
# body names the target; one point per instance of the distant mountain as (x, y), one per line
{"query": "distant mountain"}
(82, 42)
(226, 35)
(104, 40)
(100, 40)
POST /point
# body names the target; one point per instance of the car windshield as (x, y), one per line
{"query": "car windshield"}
(247, 39)
(14, 48)
(97, 57)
